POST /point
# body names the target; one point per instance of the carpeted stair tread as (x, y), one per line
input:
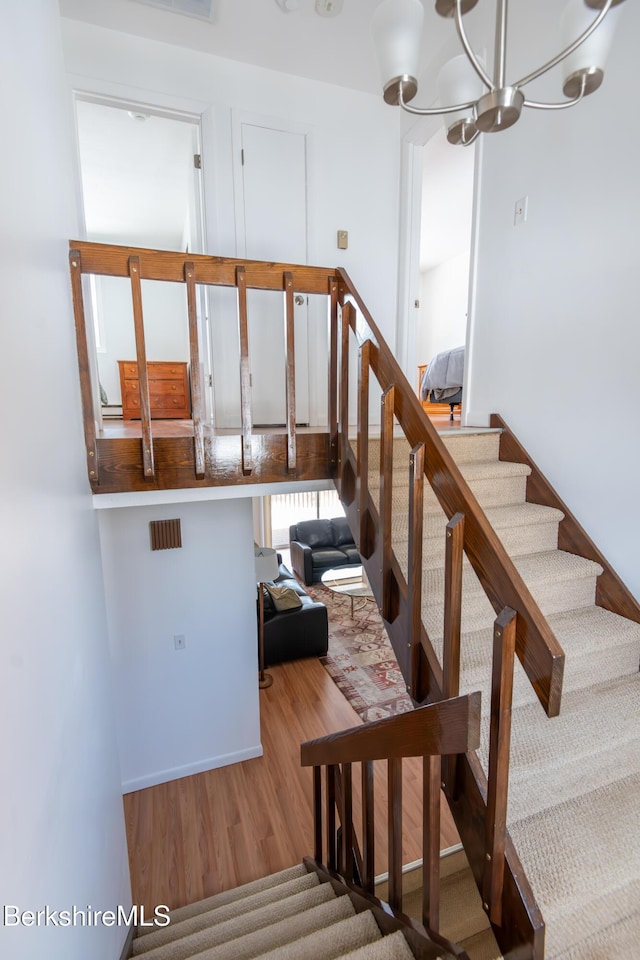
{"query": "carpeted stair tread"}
(392, 947)
(237, 893)
(241, 925)
(473, 472)
(620, 939)
(226, 912)
(549, 760)
(599, 646)
(342, 938)
(287, 931)
(582, 858)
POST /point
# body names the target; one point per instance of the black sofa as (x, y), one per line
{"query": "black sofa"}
(319, 545)
(294, 634)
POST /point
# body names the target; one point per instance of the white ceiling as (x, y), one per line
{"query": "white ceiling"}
(334, 49)
(136, 176)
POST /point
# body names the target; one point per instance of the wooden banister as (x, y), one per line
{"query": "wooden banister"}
(196, 379)
(143, 373)
(86, 391)
(450, 726)
(245, 370)
(414, 563)
(290, 366)
(538, 650)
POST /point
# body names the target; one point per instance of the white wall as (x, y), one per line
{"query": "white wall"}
(444, 293)
(353, 160)
(182, 711)
(556, 338)
(62, 840)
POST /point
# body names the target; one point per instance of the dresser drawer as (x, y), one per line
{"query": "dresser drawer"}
(168, 389)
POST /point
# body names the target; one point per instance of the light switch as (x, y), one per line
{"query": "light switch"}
(343, 239)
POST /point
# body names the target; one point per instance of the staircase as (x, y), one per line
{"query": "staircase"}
(574, 782)
(291, 915)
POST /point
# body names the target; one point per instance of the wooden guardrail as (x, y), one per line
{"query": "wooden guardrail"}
(450, 727)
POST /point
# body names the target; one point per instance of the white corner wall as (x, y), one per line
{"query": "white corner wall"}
(62, 838)
(555, 336)
(182, 711)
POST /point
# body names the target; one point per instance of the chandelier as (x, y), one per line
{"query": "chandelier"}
(481, 103)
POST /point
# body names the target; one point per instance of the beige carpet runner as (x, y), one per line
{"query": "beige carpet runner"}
(574, 807)
(288, 916)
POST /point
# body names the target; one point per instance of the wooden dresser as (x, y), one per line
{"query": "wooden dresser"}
(168, 390)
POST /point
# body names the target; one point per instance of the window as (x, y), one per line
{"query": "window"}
(288, 508)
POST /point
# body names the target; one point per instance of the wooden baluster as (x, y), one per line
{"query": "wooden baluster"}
(368, 827)
(91, 447)
(454, 552)
(196, 381)
(290, 361)
(347, 311)
(504, 645)
(394, 814)
(332, 859)
(414, 550)
(386, 494)
(431, 777)
(245, 374)
(317, 813)
(333, 370)
(363, 447)
(346, 818)
(143, 373)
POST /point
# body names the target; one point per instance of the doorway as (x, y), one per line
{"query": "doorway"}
(141, 182)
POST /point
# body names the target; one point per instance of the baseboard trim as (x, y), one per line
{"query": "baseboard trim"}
(176, 773)
(128, 945)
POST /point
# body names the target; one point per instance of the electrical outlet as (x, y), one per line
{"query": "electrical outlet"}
(180, 641)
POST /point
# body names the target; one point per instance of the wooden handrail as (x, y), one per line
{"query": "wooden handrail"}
(538, 650)
(450, 726)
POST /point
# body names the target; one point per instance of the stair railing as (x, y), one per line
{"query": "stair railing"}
(520, 629)
(449, 727)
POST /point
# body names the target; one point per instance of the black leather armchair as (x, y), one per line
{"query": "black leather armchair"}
(319, 545)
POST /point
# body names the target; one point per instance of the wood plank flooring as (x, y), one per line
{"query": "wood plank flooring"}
(192, 837)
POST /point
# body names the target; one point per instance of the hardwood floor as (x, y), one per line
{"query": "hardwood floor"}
(193, 837)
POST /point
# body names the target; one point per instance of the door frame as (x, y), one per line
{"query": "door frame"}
(192, 114)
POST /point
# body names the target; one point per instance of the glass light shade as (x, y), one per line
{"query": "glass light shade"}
(589, 60)
(397, 34)
(266, 561)
(458, 83)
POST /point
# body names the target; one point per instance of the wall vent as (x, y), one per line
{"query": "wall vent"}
(200, 9)
(165, 534)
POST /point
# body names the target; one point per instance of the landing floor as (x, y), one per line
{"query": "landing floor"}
(212, 831)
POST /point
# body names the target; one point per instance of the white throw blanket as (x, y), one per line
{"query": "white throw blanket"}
(444, 375)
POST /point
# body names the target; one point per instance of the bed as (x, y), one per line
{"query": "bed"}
(440, 380)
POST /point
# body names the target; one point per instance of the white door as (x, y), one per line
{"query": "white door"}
(273, 226)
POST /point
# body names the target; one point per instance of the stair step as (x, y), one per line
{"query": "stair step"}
(342, 938)
(558, 582)
(524, 528)
(620, 939)
(494, 482)
(464, 448)
(226, 911)
(549, 759)
(228, 896)
(582, 859)
(392, 947)
(596, 642)
(285, 931)
(239, 926)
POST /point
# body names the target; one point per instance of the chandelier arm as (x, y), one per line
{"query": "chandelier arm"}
(474, 136)
(563, 104)
(432, 111)
(500, 66)
(569, 50)
(464, 40)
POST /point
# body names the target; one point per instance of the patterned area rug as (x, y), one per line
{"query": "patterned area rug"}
(360, 660)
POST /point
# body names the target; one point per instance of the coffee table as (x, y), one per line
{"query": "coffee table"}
(350, 581)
